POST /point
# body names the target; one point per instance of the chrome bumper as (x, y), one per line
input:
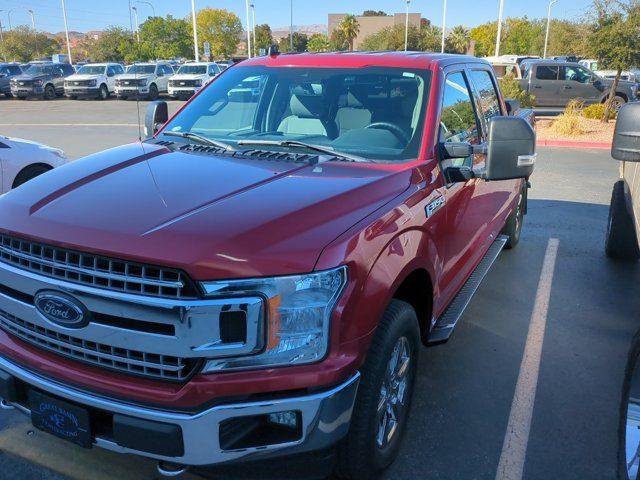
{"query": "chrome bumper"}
(324, 417)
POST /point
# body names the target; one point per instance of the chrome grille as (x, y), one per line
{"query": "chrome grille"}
(151, 365)
(96, 271)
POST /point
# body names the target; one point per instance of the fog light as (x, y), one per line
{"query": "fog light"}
(286, 419)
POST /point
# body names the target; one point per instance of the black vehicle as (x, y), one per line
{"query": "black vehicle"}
(42, 80)
(7, 72)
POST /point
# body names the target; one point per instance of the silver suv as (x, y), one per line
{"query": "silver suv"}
(144, 80)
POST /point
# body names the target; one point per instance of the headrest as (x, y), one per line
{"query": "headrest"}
(356, 97)
(307, 106)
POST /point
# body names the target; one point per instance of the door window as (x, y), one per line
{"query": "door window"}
(546, 72)
(487, 97)
(458, 122)
(575, 74)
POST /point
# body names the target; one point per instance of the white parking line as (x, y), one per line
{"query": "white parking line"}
(514, 448)
(68, 125)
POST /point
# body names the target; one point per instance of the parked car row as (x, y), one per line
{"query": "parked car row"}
(48, 80)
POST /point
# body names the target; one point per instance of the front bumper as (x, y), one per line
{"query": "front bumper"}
(324, 419)
(132, 92)
(81, 91)
(27, 91)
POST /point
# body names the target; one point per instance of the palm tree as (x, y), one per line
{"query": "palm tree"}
(350, 29)
(458, 40)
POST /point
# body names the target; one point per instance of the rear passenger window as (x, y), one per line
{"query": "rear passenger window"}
(487, 95)
(546, 72)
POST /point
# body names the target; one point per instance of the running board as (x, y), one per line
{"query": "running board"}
(447, 322)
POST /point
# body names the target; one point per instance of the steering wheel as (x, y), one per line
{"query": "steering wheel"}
(393, 128)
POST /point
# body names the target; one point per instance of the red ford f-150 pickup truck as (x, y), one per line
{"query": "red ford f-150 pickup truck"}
(255, 279)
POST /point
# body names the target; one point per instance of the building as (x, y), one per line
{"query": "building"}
(373, 24)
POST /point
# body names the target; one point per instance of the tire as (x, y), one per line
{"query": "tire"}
(618, 102)
(22, 98)
(29, 173)
(621, 241)
(122, 97)
(153, 92)
(632, 374)
(103, 94)
(513, 225)
(8, 94)
(73, 97)
(365, 452)
(49, 92)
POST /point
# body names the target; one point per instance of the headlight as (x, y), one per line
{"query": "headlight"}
(93, 83)
(197, 83)
(142, 82)
(298, 314)
(37, 83)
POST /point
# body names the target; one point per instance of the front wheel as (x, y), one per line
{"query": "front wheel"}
(384, 395)
(153, 92)
(49, 92)
(29, 173)
(103, 94)
(513, 225)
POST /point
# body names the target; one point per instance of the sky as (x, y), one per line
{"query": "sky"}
(85, 15)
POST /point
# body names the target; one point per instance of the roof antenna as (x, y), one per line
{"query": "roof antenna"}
(135, 74)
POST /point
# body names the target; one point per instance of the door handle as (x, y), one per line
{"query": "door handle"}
(537, 86)
(567, 87)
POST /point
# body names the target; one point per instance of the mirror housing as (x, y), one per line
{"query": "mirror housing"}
(626, 138)
(511, 148)
(455, 150)
(156, 116)
(512, 105)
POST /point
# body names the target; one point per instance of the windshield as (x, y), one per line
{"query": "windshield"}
(91, 70)
(193, 69)
(371, 112)
(37, 69)
(141, 69)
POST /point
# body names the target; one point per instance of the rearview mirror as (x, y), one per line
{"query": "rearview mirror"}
(511, 148)
(626, 138)
(156, 116)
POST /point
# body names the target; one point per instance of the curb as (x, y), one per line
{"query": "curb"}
(573, 144)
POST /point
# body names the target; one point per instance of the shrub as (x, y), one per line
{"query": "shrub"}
(596, 112)
(568, 125)
(511, 89)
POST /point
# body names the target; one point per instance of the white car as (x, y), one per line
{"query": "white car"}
(94, 80)
(22, 160)
(144, 80)
(191, 77)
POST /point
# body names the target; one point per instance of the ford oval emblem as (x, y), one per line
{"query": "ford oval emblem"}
(61, 309)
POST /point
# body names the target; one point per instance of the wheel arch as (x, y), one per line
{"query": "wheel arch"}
(46, 166)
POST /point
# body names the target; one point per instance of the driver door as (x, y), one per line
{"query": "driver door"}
(579, 83)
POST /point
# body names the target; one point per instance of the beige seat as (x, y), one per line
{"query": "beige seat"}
(352, 115)
(306, 117)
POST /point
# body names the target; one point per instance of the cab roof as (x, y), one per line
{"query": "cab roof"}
(362, 59)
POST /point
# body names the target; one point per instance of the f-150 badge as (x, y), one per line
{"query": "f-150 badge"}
(434, 206)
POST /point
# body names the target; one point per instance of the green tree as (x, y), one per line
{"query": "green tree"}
(221, 28)
(22, 44)
(458, 40)
(511, 88)
(318, 42)
(337, 41)
(615, 39)
(350, 28)
(300, 41)
(374, 13)
(115, 44)
(430, 38)
(485, 37)
(568, 38)
(264, 37)
(165, 38)
(392, 38)
(523, 36)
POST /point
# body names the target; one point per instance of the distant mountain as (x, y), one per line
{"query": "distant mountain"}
(280, 32)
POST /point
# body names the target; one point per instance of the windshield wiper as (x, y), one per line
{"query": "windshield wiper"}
(200, 139)
(297, 144)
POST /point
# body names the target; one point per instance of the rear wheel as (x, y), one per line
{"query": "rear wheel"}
(513, 225)
(384, 395)
(29, 173)
(621, 241)
(49, 92)
(617, 103)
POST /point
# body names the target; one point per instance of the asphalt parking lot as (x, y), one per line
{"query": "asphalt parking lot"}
(464, 403)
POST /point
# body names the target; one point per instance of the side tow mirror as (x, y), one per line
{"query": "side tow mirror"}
(511, 148)
(626, 139)
(156, 116)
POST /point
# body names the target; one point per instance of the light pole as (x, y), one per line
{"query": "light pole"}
(135, 16)
(291, 24)
(9, 17)
(153, 9)
(444, 25)
(2, 40)
(546, 35)
(246, 6)
(253, 21)
(195, 30)
(499, 27)
(66, 31)
(35, 33)
(406, 27)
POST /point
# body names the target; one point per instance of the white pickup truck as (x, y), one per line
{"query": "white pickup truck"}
(190, 77)
(94, 80)
(144, 80)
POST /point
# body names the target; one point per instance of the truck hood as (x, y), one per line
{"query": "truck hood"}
(189, 76)
(214, 217)
(26, 77)
(133, 77)
(76, 77)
